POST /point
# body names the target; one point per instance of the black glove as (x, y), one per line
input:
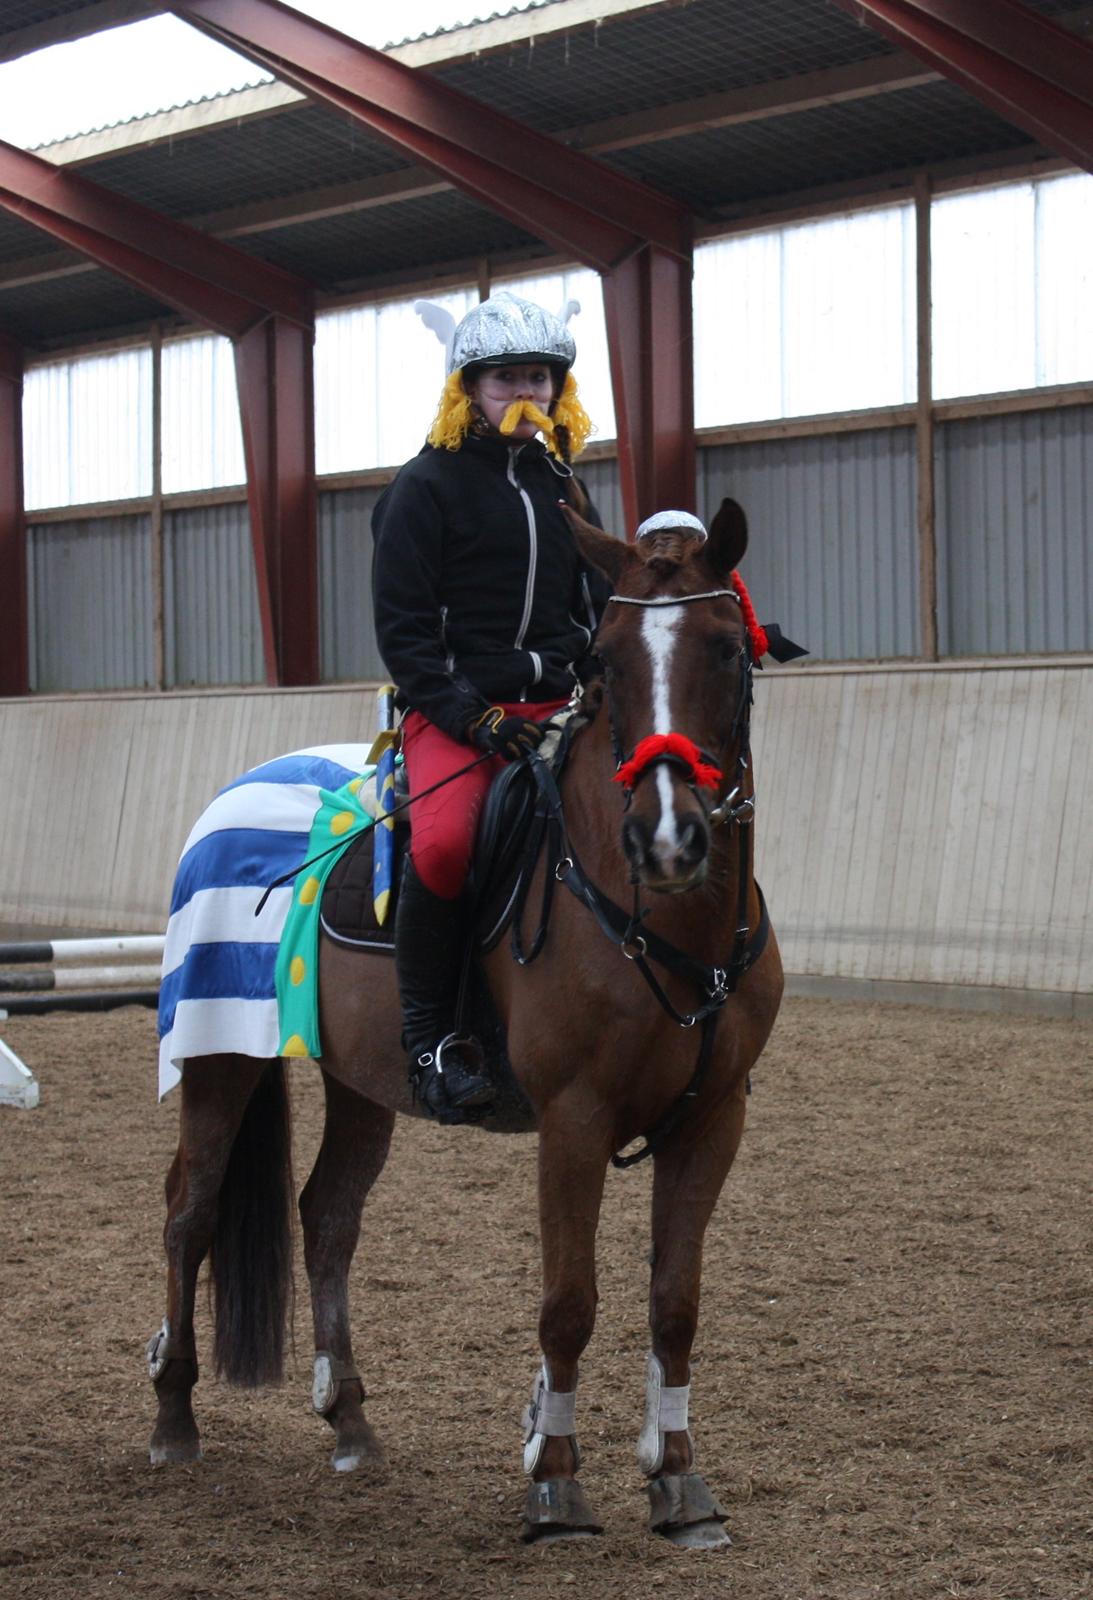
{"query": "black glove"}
(512, 738)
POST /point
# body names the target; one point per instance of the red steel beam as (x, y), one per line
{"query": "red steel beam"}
(648, 305)
(14, 635)
(269, 315)
(1024, 66)
(273, 366)
(216, 284)
(637, 238)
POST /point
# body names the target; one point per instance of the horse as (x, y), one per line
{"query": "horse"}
(667, 1008)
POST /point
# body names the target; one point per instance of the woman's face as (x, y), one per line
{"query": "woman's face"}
(494, 390)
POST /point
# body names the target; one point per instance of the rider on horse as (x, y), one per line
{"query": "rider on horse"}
(484, 610)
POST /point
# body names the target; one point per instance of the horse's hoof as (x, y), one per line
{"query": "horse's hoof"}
(174, 1452)
(698, 1536)
(558, 1509)
(560, 1535)
(683, 1510)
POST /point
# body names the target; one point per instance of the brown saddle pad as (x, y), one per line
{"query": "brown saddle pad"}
(347, 913)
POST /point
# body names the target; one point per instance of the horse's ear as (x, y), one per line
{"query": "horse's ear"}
(612, 556)
(728, 539)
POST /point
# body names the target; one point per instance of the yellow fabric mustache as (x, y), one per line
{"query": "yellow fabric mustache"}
(523, 410)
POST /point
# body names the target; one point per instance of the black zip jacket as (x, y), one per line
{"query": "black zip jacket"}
(480, 591)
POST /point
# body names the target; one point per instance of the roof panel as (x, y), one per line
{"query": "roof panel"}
(73, 309)
(18, 239)
(715, 170)
(294, 151)
(29, 13)
(655, 58)
(341, 252)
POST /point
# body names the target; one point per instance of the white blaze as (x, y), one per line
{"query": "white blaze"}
(659, 625)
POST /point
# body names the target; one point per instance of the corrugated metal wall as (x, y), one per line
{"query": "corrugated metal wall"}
(601, 479)
(212, 627)
(90, 604)
(1015, 531)
(349, 649)
(833, 550)
(833, 558)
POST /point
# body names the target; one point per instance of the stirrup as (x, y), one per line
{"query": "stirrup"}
(452, 1090)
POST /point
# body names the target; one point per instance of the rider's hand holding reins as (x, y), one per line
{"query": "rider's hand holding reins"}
(511, 737)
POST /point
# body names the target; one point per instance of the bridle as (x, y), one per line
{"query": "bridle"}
(627, 931)
(666, 750)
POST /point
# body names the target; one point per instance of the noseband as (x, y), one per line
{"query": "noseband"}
(699, 768)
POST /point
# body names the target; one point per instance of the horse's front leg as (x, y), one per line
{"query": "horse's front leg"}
(689, 1174)
(356, 1139)
(573, 1155)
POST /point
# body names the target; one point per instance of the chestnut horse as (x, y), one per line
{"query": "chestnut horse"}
(594, 1034)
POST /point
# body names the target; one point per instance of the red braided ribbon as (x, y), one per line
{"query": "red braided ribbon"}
(756, 632)
(680, 748)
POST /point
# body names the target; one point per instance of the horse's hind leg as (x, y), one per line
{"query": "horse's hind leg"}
(215, 1092)
(356, 1138)
(689, 1175)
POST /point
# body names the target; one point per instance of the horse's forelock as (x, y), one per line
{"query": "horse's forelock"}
(669, 565)
(667, 548)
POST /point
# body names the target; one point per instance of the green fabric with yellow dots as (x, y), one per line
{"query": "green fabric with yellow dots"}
(340, 818)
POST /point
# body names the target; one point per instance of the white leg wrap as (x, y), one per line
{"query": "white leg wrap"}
(549, 1416)
(329, 1373)
(323, 1388)
(157, 1350)
(665, 1412)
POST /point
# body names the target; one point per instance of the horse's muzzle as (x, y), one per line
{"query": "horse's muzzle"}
(667, 861)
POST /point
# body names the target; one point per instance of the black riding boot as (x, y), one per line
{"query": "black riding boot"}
(430, 938)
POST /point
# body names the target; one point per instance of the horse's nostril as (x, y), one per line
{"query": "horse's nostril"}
(635, 841)
(694, 841)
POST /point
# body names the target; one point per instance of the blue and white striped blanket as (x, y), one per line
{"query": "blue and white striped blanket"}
(217, 991)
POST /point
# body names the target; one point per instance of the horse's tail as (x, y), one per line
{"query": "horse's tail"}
(252, 1246)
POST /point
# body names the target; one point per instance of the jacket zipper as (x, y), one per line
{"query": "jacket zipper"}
(449, 657)
(533, 552)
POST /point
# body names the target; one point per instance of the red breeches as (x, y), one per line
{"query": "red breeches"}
(443, 825)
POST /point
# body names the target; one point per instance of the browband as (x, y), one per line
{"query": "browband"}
(676, 600)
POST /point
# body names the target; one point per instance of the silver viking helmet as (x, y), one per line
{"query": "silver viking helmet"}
(682, 522)
(501, 330)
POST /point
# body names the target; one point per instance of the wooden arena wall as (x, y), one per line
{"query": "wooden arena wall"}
(917, 825)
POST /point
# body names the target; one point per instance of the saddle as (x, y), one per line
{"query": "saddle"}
(510, 835)
(511, 832)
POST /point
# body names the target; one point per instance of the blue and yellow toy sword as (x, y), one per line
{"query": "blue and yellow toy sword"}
(383, 755)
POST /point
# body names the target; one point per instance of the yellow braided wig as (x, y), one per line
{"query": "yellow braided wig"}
(569, 413)
(455, 414)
